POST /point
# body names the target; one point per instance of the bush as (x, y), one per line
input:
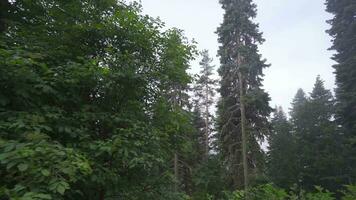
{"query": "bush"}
(270, 192)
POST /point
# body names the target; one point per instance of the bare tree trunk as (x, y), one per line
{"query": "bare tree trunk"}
(175, 156)
(243, 124)
(101, 194)
(206, 135)
(176, 172)
(4, 7)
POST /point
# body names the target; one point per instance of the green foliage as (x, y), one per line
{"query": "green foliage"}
(282, 154)
(40, 169)
(307, 150)
(267, 192)
(343, 33)
(94, 104)
(350, 193)
(86, 88)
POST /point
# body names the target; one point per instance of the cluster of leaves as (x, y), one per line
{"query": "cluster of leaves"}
(85, 101)
(270, 192)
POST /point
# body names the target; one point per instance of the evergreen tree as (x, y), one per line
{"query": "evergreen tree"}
(281, 162)
(319, 152)
(205, 93)
(320, 145)
(243, 107)
(298, 112)
(343, 31)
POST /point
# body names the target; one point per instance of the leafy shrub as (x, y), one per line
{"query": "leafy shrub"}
(350, 193)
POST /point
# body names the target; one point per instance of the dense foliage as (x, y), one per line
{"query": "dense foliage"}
(96, 102)
(86, 91)
(343, 32)
(307, 150)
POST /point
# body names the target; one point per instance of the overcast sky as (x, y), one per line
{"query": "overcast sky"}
(296, 43)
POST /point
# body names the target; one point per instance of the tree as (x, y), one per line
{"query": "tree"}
(81, 97)
(320, 157)
(298, 112)
(4, 7)
(281, 160)
(174, 87)
(243, 107)
(343, 32)
(205, 93)
(320, 144)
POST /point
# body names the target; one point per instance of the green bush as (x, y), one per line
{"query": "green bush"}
(350, 193)
(270, 192)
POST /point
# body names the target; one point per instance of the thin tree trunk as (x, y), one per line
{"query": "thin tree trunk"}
(175, 156)
(243, 125)
(206, 124)
(102, 194)
(176, 172)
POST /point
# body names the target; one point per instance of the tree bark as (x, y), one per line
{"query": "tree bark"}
(102, 194)
(176, 172)
(243, 123)
(4, 7)
(206, 135)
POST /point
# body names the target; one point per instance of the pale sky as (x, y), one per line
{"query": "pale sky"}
(296, 43)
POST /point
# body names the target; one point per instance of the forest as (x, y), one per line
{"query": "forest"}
(97, 102)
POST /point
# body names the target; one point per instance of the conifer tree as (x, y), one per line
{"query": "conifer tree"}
(343, 32)
(243, 107)
(281, 160)
(319, 157)
(319, 144)
(298, 112)
(205, 93)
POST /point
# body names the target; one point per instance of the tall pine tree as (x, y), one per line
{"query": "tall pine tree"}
(205, 93)
(321, 146)
(243, 107)
(281, 160)
(319, 154)
(343, 32)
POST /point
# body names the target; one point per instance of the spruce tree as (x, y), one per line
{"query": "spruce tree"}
(343, 32)
(298, 112)
(281, 159)
(205, 93)
(243, 107)
(323, 150)
(319, 153)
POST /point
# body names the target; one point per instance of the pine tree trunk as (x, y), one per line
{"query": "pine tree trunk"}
(243, 125)
(102, 194)
(206, 125)
(176, 172)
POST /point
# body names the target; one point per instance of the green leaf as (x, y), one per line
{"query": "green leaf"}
(9, 147)
(45, 172)
(43, 196)
(22, 167)
(11, 164)
(61, 189)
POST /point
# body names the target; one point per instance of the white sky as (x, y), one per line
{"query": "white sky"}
(296, 43)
